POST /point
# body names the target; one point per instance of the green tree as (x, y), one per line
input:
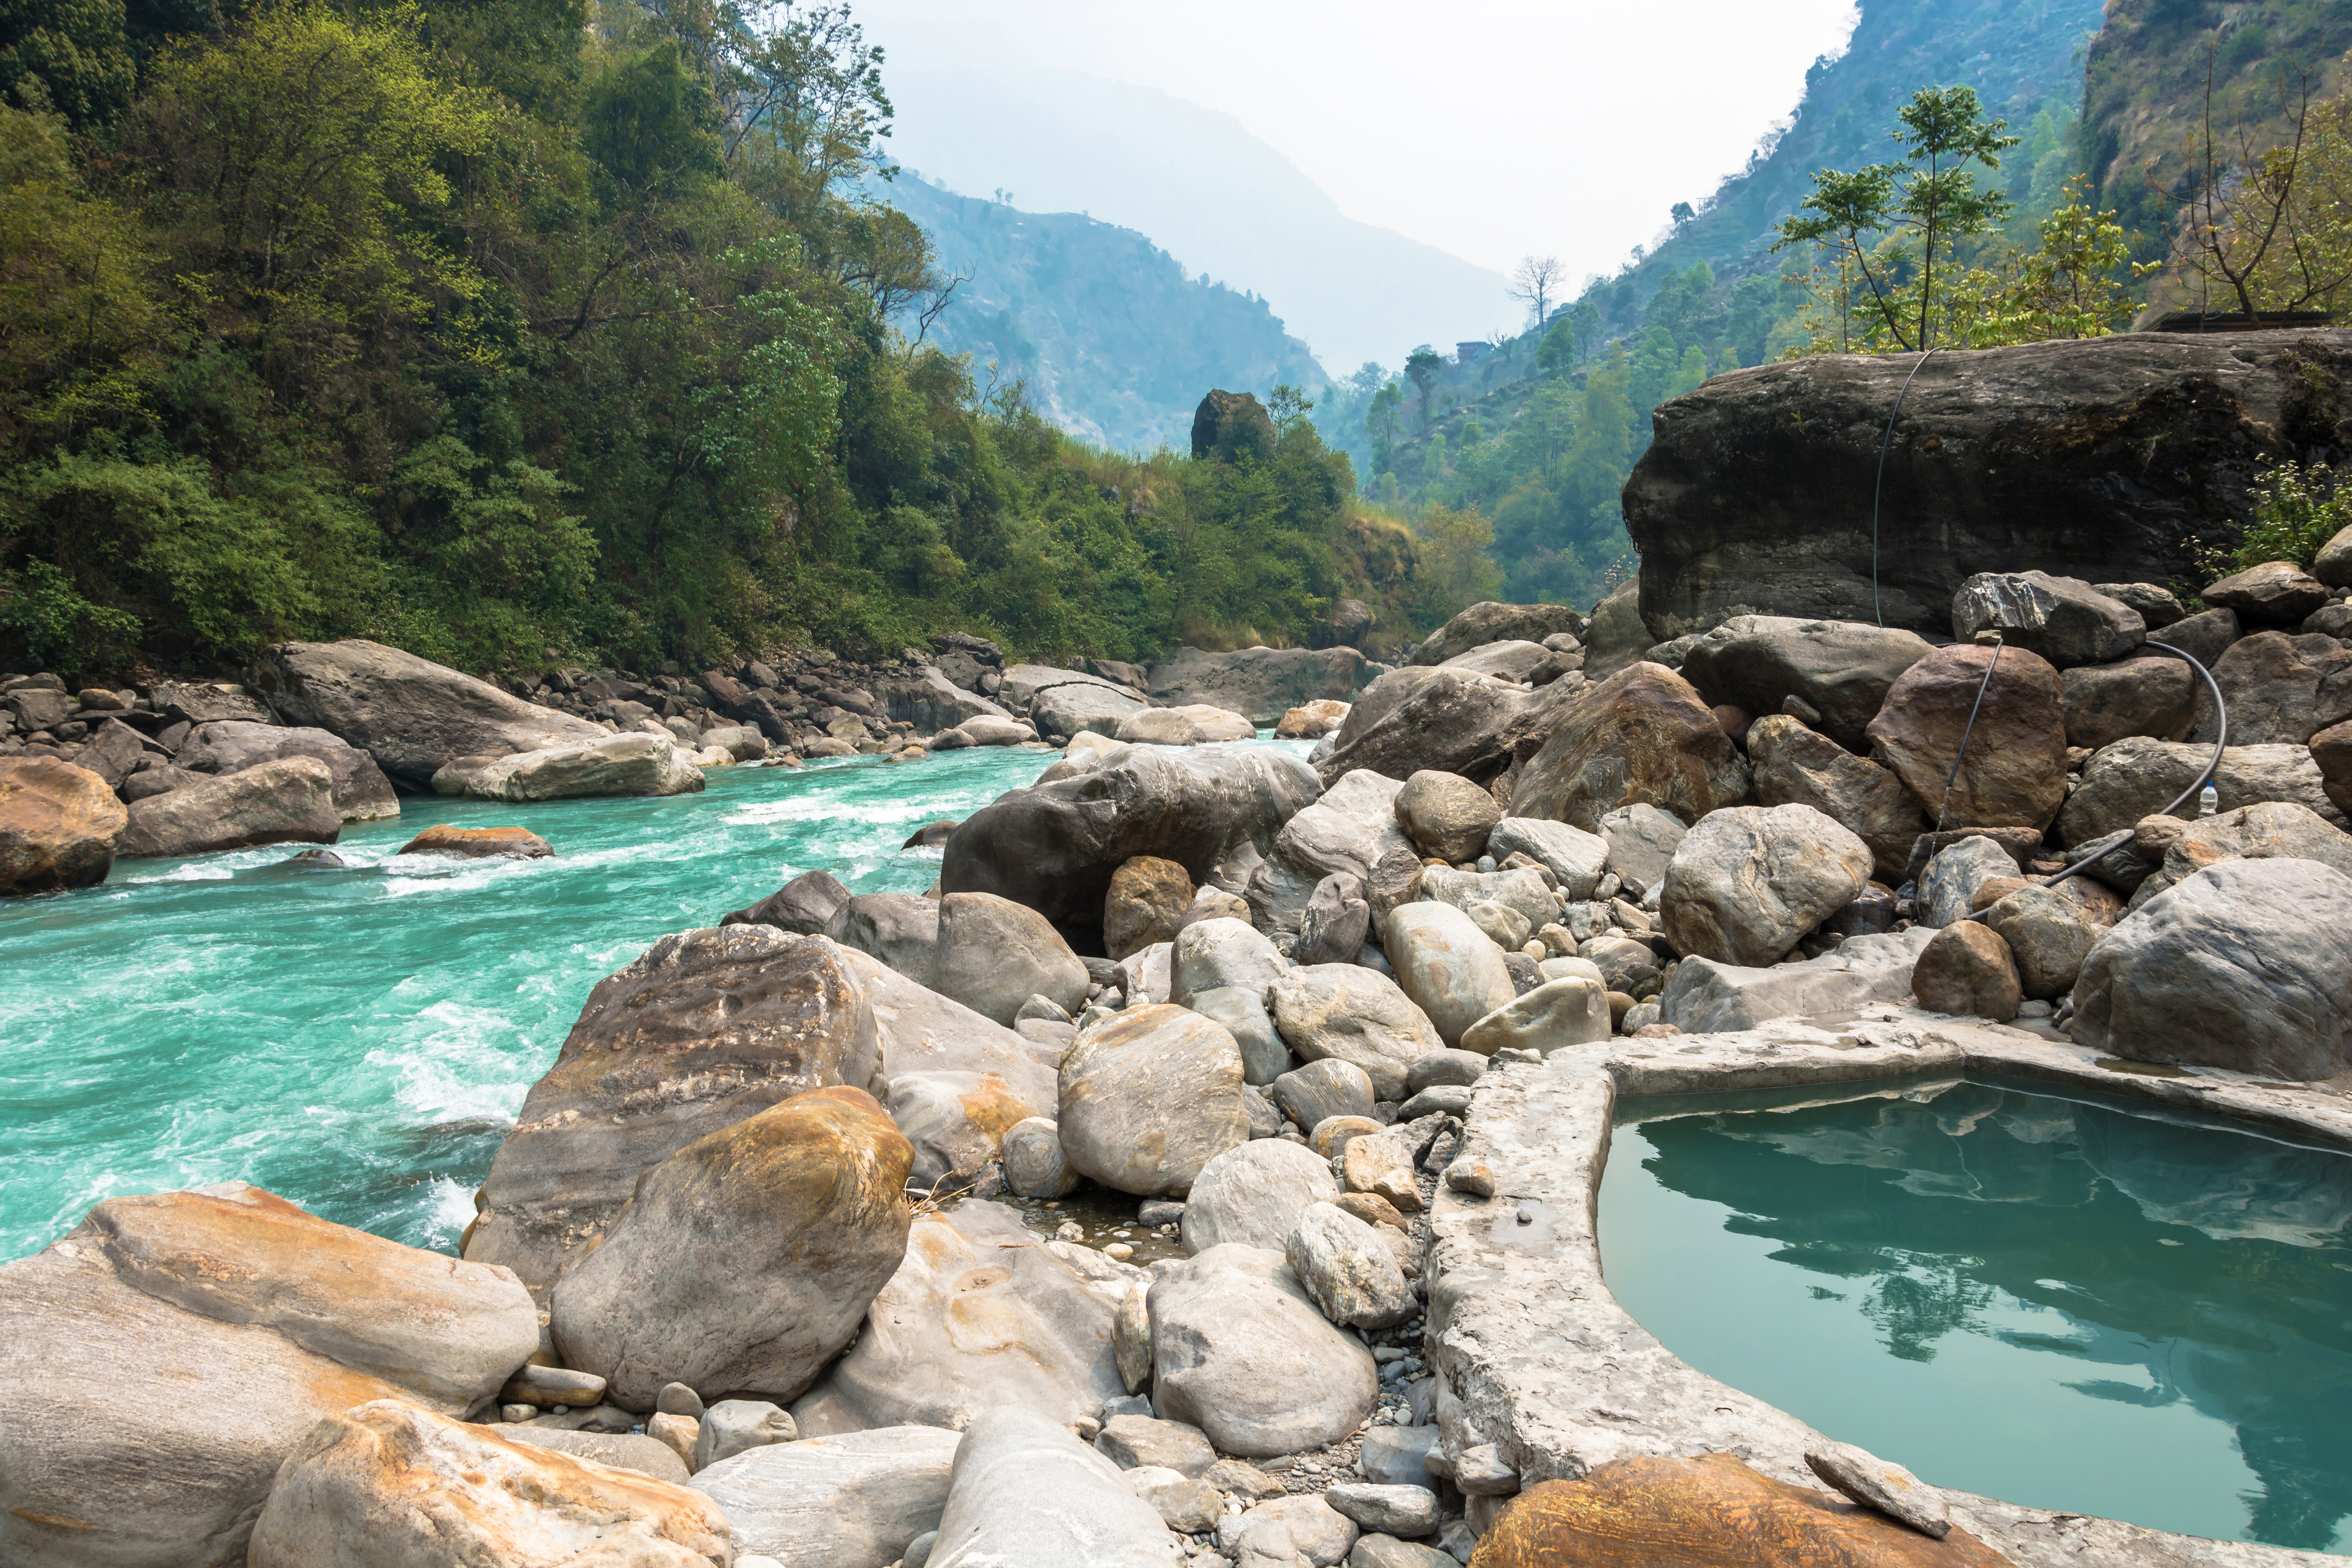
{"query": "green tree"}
(1420, 366)
(66, 55)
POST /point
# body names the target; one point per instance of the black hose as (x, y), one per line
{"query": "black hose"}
(1880, 483)
(1945, 804)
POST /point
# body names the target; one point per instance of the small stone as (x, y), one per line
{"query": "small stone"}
(1188, 1506)
(1119, 1250)
(731, 1427)
(1876, 1483)
(677, 1399)
(676, 1433)
(1446, 816)
(554, 1385)
(1130, 1339)
(518, 1413)
(1480, 1471)
(1471, 1177)
(1134, 1441)
(1406, 1511)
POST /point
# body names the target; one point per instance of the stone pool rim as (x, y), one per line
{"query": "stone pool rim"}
(1533, 1355)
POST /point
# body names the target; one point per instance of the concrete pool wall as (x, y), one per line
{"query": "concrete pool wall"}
(1533, 1355)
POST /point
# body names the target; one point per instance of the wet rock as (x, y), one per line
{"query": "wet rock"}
(735, 1426)
(979, 1317)
(1876, 1483)
(995, 955)
(290, 801)
(1646, 1511)
(1259, 683)
(1446, 816)
(1242, 1353)
(898, 928)
(1641, 842)
(58, 824)
(1488, 622)
(1797, 766)
(1447, 966)
(479, 843)
(708, 1028)
(1747, 883)
(1842, 669)
(1053, 847)
(859, 1497)
(2137, 778)
(1967, 968)
(2063, 619)
(1571, 1011)
(743, 1262)
(1643, 736)
(1572, 856)
(1347, 1270)
(1148, 896)
(1949, 887)
(1254, 1194)
(805, 906)
(362, 793)
(633, 762)
(2239, 966)
(1149, 1097)
(2276, 593)
(1005, 1462)
(1354, 1015)
(2047, 938)
(1140, 1441)
(2282, 689)
(2015, 771)
(1033, 1167)
(2154, 695)
(414, 716)
(349, 1490)
(1213, 953)
(264, 1320)
(1707, 997)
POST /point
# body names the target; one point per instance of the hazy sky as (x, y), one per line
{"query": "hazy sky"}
(1488, 128)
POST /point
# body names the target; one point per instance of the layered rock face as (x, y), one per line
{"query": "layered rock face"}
(1757, 489)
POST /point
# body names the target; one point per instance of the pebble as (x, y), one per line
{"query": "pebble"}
(1118, 1250)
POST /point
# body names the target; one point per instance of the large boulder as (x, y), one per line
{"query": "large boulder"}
(1007, 1463)
(1572, 1010)
(1641, 842)
(979, 1316)
(1705, 997)
(1254, 1194)
(1618, 636)
(1968, 970)
(1513, 660)
(2013, 773)
(58, 824)
(2047, 937)
(1345, 832)
(1449, 721)
(1214, 811)
(805, 906)
(1149, 1097)
(1388, 690)
(2063, 619)
(708, 1028)
(1747, 883)
(413, 715)
(1358, 1015)
(290, 801)
(1076, 708)
(1258, 683)
(928, 699)
(1643, 735)
(2139, 777)
(1347, 1270)
(1763, 488)
(1797, 766)
(1189, 725)
(2154, 695)
(995, 955)
(634, 762)
(1446, 816)
(2331, 755)
(860, 1497)
(1147, 896)
(1488, 622)
(262, 1319)
(1240, 1351)
(1571, 854)
(743, 1262)
(900, 930)
(2276, 594)
(1211, 954)
(2276, 830)
(362, 793)
(2280, 690)
(2241, 966)
(1842, 669)
(1447, 966)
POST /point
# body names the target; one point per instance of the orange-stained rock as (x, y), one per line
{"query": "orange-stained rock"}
(479, 843)
(387, 1482)
(1708, 1512)
(1312, 721)
(1967, 970)
(1148, 896)
(57, 826)
(1643, 736)
(744, 1261)
(2014, 772)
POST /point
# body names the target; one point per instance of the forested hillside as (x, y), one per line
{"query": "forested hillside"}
(1116, 342)
(507, 332)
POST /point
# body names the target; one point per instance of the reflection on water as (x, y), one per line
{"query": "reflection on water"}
(2070, 1305)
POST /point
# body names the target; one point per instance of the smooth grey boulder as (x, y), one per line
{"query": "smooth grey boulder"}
(1346, 832)
(1133, 1442)
(1840, 669)
(1522, 891)
(1149, 1097)
(900, 929)
(2154, 695)
(2241, 966)
(1446, 1067)
(858, 1497)
(1573, 855)
(1073, 708)
(1214, 810)
(1007, 1467)
(1211, 954)
(1034, 1165)
(733, 1426)
(1746, 883)
(805, 906)
(742, 1262)
(414, 716)
(1023, 684)
(2138, 777)
(633, 762)
(979, 1316)
(1488, 622)
(1322, 1089)
(1185, 1504)
(1288, 1531)
(1242, 1010)
(1447, 966)
(1242, 1353)
(1355, 1014)
(1337, 922)
(1705, 997)
(708, 1028)
(1347, 1270)
(1641, 842)
(2281, 689)
(362, 793)
(2063, 619)
(621, 1450)
(1395, 1456)
(1569, 1010)
(1797, 766)
(995, 955)
(1408, 1509)
(289, 801)
(1512, 658)
(2047, 937)
(1446, 816)
(1948, 887)
(1254, 1194)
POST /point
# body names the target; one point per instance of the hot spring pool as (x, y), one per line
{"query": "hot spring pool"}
(2071, 1305)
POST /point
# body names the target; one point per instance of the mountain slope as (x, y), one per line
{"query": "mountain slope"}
(1199, 184)
(1116, 342)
